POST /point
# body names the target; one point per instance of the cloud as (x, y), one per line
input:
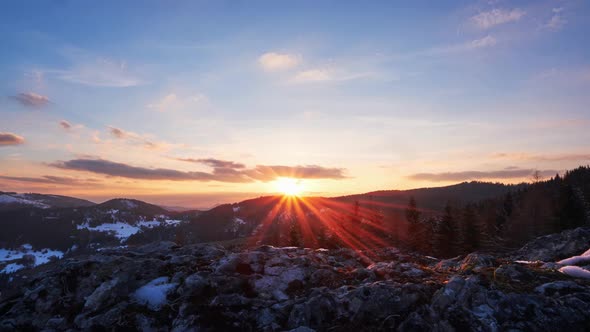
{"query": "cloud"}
(50, 179)
(221, 174)
(313, 75)
(269, 173)
(510, 173)
(7, 139)
(556, 22)
(481, 43)
(65, 125)
(213, 162)
(31, 99)
(494, 17)
(106, 167)
(539, 157)
(330, 74)
(134, 138)
(89, 69)
(272, 61)
(118, 133)
(172, 102)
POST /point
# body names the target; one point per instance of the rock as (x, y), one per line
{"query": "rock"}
(302, 329)
(513, 273)
(99, 298)
(559, 288)
(551, 248)
(193, 285)
(476, 261)
(323, 277)
(206, 288)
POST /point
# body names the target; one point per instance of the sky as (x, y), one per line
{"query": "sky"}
(195, 103)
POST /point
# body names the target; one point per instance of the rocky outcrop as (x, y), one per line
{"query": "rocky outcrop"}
(167, 287)
(554, 247)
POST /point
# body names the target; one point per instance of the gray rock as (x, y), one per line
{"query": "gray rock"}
(101, 295)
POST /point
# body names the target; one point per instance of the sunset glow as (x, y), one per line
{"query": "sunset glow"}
(289, 186)
(175, 117)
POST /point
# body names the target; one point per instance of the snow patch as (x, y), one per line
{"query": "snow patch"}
(575, 271)
(154, 293)
(120, 230)
(148, 224)
(575, 260)
(11, 268)
(7, 199)
(129, 204)
(42, 256)
(172, 222)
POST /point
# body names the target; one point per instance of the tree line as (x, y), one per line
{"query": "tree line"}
(504, 222)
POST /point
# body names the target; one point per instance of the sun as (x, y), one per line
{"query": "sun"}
(289, 186)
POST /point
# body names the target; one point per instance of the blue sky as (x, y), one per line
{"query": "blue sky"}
(136, 98)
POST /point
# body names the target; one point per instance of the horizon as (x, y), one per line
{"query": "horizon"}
(196, 104)
(175, 202)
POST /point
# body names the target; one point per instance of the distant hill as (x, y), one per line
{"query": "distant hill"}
(131, 205)
(113, 222)
(363, 220)
(435, 198)
(12, 201)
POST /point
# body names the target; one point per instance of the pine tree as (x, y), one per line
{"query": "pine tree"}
(412, 213)
(415, 229)
(471, 229)
(571, 211)
(446, 234)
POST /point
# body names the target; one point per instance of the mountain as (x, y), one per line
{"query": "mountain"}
(110, 223)
(166, 287)
(14, 201)
(451, 220)
(272, 218)
(434, 198)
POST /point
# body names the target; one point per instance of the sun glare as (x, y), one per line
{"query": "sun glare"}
(289, 186)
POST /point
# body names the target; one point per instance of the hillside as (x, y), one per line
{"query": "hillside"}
(449, 221)
(15, 201)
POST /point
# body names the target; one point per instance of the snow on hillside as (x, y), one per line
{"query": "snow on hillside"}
(129, 204)
(19, 199)
(120, 230)
(123, 230)
(41, 256)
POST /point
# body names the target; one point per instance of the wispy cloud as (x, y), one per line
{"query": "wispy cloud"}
(90, 69)
(7, 139)
(523, 156)
(329, 74)
(313, 75)
(481, 43)
(65, 125)
(272, 61)
(269, 173)
(511, 173)
(50, 179)
(213, 162)
(494, 17)
(557, 21)
(134, 138)
(222, 174)
(172, 101)
(31, 99)
(103, 73)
